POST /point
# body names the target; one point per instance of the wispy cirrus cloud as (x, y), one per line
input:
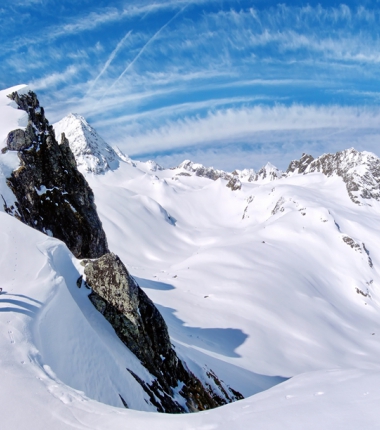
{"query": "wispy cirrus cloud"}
(53, 79)
(259, 125)
(94, 19)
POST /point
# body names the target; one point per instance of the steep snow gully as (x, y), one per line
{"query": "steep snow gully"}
(259, 276)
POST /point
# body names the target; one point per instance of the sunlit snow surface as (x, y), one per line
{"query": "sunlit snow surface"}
(252, 282)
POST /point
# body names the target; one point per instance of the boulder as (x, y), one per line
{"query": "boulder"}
(140, 326)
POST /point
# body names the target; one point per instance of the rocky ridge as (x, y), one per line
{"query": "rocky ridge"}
(48, 186)
(360, 171)
(235, 179)
(202, 171)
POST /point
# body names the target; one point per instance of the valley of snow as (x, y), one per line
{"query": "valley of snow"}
(277, 280)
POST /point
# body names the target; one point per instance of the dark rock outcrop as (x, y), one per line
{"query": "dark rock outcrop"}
(140, 326)
(234, 183)
(52, 195)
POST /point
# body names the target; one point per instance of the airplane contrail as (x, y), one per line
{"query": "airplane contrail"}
(109, 61)
(145, 46)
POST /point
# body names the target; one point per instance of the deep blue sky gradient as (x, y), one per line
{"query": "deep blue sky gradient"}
(226, 83)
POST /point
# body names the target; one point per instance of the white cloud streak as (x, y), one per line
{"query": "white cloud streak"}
(95, 19)
(154, 37)
(109, 60)
(50, 81)
(257, 124)
(181, 108)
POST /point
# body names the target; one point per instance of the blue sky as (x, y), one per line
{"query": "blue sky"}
(231, 84)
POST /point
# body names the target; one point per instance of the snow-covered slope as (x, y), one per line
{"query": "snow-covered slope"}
(295, 257)
(278, 278)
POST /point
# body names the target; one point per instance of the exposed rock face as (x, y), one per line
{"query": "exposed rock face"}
(142, 329)
(18, 140)
(52, 195)
(299, 166)
(359, 170)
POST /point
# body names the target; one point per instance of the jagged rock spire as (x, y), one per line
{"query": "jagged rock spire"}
(52, 195)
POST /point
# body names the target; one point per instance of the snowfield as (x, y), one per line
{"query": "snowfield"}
(275, 287)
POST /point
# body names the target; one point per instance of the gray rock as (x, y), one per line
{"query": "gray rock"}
(17, 140)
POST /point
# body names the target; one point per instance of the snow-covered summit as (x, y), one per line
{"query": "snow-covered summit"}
(200, 170)
(359, 170)
(91, 152)
(268, 173)
(245, 175)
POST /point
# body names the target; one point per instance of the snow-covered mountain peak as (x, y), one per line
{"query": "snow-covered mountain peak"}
(268, 173)
(200, 170)
(153, 166)
(245, 175)
(359, 170)
(91, 152)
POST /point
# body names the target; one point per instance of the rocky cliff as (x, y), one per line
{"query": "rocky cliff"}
(52, 195)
